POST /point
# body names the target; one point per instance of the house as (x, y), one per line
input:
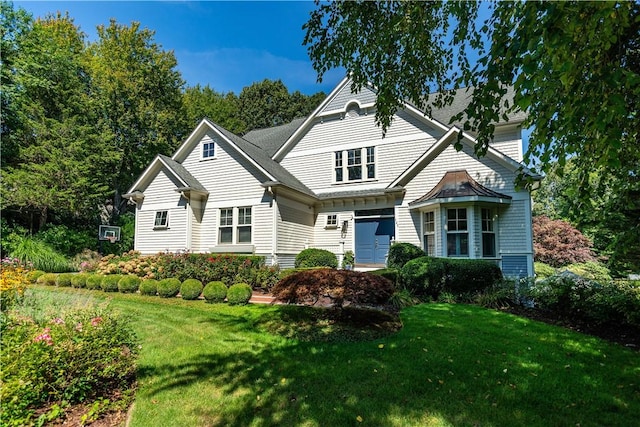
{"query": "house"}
(333, 181)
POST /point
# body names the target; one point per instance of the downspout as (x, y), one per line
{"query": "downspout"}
(274, 229)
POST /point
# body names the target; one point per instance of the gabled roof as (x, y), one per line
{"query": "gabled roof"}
(188, 181)
(271, 139)
(458, 185)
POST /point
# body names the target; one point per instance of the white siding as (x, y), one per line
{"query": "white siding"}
(508, 140)
(342, 98)
(513, 229)
(408, 228)
(295, 226)
(336, 239)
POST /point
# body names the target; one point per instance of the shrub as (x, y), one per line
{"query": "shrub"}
(88, 354)
(401, 253)
(86, 261)
(79, 280)
(500, 294)
(592, 271)
(40, 255)
(314, 257)
(543, 270)
(431, 276)
(267, 277)
(94, 281)
(64, 280)
(149, 287)
(129, 284)
(191, 289)
(336, 286)
(239, 294)
(205, 267)
(110, 282)
(389, 273)
(48, 279)
(558, 243)
(348, 260)
(215, 292)
(168, 288)
(66, 240)
(33, 275)
(402, 298)
(13, 283)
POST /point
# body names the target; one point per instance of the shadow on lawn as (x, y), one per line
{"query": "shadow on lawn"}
(449, 365)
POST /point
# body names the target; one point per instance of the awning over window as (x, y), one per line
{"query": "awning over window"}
(456, 187)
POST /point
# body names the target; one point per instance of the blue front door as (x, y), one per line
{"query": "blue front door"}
(373, 237)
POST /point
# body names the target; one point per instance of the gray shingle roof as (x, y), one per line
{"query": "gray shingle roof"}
(271, 139)
(262, 158)
(182, 173)
(458, 184)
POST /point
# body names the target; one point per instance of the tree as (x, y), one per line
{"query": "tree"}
(574, 68)
(223, 109)
(138, 93)
(53, 161)
(557, 243)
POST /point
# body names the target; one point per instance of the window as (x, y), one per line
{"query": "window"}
(332, 221)
(244, 225)
(457, 232)
(356, 168)
(162, 219)
(429, 233)
(226, 226)
(488, 234)
(208, 150)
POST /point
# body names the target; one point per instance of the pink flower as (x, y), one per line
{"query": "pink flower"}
(44, 337)
(57, 321)
(79, 327)
(96, 321)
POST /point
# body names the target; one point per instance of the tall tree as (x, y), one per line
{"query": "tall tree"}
(53, 164)
(138, 93)
(201, 102)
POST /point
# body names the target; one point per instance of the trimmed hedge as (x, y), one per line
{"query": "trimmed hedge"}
(191, 289)
(149, 287)
(431, 276)
(314, 257)
(93, 281)
(389, 273)
(79, 280)
(110, 282)
(239, 294)
(34, 274)
(48, 279)
(335, 286)
(215, 292)
(168, 288)
(129, 284)
(64, 280)
(401, 253)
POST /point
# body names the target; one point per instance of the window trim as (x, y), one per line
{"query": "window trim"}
(492, 231)
(343, 169)
(332, 221)
(225, 226)
(238, 220)
(429, 233)
(243, 225)
(202, 150)
(159, 215)
(458, 233)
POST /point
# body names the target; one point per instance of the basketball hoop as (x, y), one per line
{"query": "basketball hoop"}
(111, 239)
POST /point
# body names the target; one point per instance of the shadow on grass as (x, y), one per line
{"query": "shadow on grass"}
(450, 365)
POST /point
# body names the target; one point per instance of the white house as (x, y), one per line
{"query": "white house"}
(333, 181)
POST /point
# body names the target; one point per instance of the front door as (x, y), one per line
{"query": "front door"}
(373, 238)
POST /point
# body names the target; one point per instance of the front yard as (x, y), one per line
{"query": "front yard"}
(212, 364)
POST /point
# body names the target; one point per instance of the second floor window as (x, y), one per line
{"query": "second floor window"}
(349, 164)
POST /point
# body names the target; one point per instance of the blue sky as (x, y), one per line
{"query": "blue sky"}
(227, 45)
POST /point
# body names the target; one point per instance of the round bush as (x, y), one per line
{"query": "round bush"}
(129, 284)
(401, 253)
(79, 280)
(543, 270)
(191, 289)
(215, 292)
(93, 281)
(110, 282)
(314, 257)
(48, 279)
(168, 288)
(34, 274)
(64, 280)
(239, 294)
(149, 287)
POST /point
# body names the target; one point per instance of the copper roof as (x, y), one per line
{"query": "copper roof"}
(458, 184)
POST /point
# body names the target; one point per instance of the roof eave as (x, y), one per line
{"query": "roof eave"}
(465, 199)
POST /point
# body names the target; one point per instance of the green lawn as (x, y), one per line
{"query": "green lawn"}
(209, 365)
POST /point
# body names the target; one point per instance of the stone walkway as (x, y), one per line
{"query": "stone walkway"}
(260, 297)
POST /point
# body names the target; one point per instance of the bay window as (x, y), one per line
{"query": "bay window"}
(457, 233)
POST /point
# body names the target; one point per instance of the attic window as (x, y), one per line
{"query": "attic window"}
(353, 110)
(208, 150)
